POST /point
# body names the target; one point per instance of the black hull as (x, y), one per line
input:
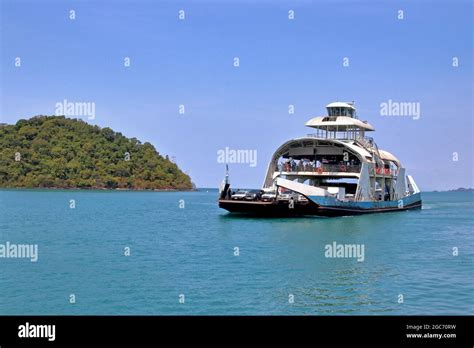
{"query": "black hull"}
(281, 209)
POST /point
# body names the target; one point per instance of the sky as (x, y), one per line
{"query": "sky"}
(363, 51)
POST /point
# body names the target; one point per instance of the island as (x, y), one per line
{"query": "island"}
(59, 152)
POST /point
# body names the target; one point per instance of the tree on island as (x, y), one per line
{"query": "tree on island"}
(57, 152)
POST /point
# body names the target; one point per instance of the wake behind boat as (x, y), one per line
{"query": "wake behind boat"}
(334, 172)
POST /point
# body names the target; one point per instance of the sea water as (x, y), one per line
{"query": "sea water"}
(177, 253)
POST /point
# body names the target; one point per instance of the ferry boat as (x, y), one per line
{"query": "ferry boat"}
(336, 171)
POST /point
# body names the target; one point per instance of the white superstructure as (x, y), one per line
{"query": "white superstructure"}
(339, 160)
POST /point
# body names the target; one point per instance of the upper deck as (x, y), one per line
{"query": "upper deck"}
(337, 149)
(341, 122)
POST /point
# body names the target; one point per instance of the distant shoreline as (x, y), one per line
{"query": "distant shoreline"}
(459, 189)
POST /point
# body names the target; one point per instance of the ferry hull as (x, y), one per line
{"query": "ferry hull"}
(271, 209)
(319, 206)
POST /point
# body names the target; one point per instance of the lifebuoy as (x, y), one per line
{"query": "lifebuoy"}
(342, 168)
(320, 170)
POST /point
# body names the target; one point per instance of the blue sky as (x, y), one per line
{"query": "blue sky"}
(282, 62)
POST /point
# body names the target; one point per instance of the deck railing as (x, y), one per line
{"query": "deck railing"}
(382, 171)
(324, 168)
(333, 168)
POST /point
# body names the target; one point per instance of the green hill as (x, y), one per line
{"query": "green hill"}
(54, 151)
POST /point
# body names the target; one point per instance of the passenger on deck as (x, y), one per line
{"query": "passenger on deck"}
(292, 164)
(305, 164)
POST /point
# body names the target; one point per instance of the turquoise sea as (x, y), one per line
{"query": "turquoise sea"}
(190, 250)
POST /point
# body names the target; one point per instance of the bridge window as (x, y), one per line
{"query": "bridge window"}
(340, 111)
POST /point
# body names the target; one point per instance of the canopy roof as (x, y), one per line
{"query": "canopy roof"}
(385, 155)
(339, 123)
(340, 105)
(358, 149)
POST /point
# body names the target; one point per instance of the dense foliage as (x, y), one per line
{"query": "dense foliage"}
(54, 151)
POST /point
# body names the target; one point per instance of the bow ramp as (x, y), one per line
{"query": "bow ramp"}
(305, 190)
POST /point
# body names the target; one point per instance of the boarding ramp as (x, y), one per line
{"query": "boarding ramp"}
(305, 190)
